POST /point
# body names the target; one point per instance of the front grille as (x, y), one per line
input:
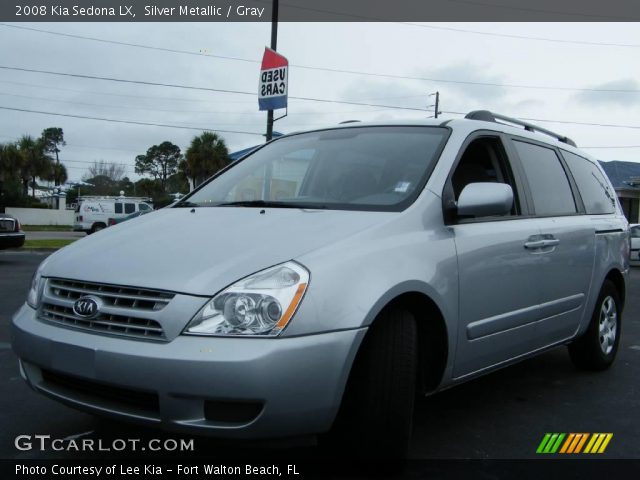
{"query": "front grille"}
(7, 225)
(146, 401)
(125, 297)
(105, 323)
(123, 311)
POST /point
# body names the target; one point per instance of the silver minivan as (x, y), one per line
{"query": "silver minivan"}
(322, 282)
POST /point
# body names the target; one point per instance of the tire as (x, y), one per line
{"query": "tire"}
(596, 349)
(376, 417)
(97, 227)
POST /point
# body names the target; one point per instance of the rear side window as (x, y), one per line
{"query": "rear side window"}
(129, 207)
(118, 208)
(635, 232)
(594, 189)
(547, 180)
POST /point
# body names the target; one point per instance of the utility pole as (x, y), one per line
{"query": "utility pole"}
(437, 104)
(274, 44)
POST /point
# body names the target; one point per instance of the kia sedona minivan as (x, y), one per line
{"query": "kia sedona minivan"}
(323, 281)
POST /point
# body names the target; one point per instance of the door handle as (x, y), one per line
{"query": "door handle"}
(546, 242)
(551, 242)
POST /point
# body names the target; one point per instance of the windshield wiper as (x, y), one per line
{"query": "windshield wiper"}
(269, 203)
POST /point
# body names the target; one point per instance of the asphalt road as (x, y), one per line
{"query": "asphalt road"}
(503, 415)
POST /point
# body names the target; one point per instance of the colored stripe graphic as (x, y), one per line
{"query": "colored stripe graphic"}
(573, 443)
(598, 443)
(550, 443)
(543, 443)
(567, 443)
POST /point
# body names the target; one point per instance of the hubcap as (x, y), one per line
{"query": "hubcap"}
(608, 325)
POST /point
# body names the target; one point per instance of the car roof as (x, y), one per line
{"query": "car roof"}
(461, 125)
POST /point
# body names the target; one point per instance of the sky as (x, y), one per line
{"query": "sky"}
(563, 75)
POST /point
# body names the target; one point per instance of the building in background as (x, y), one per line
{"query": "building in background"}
(625, 177)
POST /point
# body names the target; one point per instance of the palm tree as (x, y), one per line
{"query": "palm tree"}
(206, 155)
(36, 163)
(52, 138)
(10, 161)
(57, 174)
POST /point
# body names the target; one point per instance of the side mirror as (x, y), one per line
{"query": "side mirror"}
(485, 199)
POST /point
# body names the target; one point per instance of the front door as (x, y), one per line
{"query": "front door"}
(498, 275)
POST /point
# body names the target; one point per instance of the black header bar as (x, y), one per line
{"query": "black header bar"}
(320, 11)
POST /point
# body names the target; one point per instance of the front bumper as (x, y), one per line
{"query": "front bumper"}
(295, 384)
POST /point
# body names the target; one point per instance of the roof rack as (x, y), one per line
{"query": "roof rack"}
(112, 197)
(487, 116)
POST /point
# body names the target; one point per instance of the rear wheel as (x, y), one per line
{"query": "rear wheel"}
(376, 417)
(97, 227)
(596, 349)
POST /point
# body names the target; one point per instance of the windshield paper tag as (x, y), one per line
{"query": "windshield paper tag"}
(402, 187)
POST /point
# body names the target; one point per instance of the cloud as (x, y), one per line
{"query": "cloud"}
(474, 75)
(415, 94)
(615, 92)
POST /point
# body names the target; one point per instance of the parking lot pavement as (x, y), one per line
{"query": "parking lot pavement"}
(502, 415)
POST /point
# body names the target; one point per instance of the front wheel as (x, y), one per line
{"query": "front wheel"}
(376, 417)
(596, 349)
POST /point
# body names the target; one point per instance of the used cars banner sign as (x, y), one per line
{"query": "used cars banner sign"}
(274, 74)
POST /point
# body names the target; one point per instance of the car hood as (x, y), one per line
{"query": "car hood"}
(201, 251)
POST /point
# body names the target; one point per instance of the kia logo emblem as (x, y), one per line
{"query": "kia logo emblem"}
(86, 307)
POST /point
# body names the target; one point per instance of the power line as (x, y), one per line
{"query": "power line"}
(128, 44)
(211, 112)
(132, 122)
(121, 80)
(206, 89)
(614, 146)
(370, 74)
(75, 145)
(49, 87)
(523, 37)
(611, 125)
(379, 19)
(568, 122)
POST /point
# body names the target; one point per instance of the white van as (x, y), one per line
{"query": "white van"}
(93, 214)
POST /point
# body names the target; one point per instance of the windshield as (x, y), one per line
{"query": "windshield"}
(359, 168)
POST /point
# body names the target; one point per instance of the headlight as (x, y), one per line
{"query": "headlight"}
(260, 304)
(33, 298)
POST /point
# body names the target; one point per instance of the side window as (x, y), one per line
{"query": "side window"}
(143, 207)
(129, 207)
(547, 179)
(118, 208)
(594, 189)
(484, 160)
(635, 232)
